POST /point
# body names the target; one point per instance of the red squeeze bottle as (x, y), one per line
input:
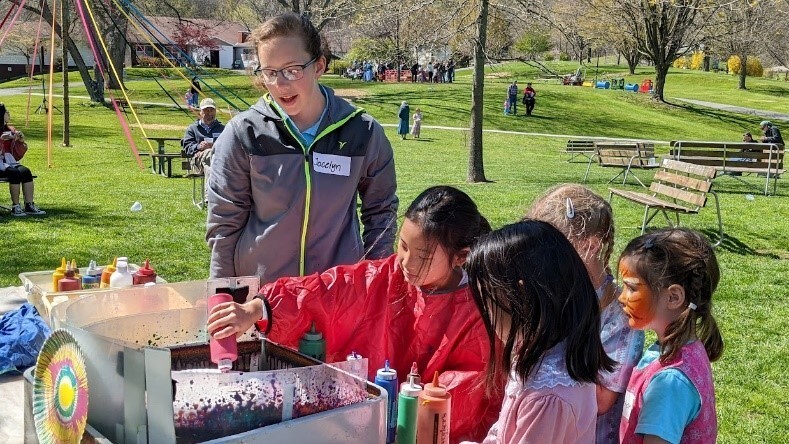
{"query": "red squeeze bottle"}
(223, 351)
(144, 275)
(69, 282)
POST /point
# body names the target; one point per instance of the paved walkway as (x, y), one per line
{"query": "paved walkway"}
(763, 114)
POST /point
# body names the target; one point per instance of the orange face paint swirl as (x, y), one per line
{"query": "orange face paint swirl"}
(636, 297)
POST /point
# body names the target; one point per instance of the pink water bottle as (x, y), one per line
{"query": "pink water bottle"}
(223, 351)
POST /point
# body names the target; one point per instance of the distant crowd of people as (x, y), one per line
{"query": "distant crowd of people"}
(431, 72)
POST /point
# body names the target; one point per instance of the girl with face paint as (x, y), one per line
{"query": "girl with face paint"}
(668, 278)
(586, 220)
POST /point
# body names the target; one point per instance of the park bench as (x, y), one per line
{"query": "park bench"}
(679, 188)
(576, 148)
(734, 158)
(625, 156)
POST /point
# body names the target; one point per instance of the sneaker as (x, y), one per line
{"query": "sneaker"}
(16, 210)
(31, 208)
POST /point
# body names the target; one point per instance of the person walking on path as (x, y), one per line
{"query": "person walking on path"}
(195, 91)
(771, 133)
(404, 115)
(512, 96)
(529, 98)
(417, 123)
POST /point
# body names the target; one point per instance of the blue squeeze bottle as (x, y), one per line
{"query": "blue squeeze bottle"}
(387, 378)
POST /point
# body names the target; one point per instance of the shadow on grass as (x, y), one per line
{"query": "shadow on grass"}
(734, 245)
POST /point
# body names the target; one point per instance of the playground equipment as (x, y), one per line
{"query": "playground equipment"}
(576, 79)
(646, 86)
(632, 87)
(618, 84)
(603, 84)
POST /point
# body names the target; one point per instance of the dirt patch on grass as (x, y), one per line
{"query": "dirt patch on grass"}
(498, 75)
(350, 93)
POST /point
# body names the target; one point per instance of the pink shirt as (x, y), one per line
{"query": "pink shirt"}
(550, 407)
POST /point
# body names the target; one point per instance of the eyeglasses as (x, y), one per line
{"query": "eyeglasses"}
(293, 72)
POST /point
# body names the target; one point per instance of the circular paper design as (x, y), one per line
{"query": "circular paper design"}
(60, 390)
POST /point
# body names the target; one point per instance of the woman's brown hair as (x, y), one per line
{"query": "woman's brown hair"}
(683, 257)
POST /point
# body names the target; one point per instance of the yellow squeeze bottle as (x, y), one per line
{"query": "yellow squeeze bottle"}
(59, 273)
(108, 270)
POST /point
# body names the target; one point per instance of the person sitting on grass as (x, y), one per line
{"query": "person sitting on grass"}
(12, 148)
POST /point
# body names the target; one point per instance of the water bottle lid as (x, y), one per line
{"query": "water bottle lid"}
(93, 270)
(225, 365)
(122, 265)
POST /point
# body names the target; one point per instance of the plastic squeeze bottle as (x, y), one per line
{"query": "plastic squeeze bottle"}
(144, 275)
(387, 378)
(108, 270)
(223, 351)
(58, 274)
(433, 414)
(92, 277)
(69, 282)
(355, 365)
(313, 344)
(121, 276)
(407, 404)
(77, 276)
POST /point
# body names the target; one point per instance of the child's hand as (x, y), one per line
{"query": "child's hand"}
(230, 318)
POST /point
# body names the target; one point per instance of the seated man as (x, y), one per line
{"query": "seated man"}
(771, 133)
(199, 138)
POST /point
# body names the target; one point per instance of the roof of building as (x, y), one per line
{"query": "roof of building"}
(225, 33)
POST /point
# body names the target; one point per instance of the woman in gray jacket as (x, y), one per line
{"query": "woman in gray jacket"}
(287, 173)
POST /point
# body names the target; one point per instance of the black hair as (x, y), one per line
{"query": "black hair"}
(530, 272)
(448, 217)
(684, 257)
(3, 110)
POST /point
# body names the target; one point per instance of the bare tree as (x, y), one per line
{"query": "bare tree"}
(476, 169)
(664, 29)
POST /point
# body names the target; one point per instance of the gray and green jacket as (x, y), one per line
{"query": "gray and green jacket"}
(271, 214)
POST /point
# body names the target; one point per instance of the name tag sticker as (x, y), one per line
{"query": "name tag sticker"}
(630, 400)
(331, 164)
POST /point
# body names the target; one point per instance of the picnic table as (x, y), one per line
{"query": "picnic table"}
(162, 157)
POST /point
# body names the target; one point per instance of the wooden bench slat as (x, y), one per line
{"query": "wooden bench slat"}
(685, 181)
(688, 168)
(679, 194)
(652, 201)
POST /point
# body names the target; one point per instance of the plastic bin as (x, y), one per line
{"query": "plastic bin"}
(39, 291)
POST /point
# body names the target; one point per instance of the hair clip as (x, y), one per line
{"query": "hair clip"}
(692, 306)
(649, 243)
(570, 212)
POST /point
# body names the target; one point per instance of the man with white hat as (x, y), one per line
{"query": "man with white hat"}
(771, 133)
(199, 138)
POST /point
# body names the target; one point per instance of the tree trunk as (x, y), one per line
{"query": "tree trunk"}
(117, 49)
(743, 70)
(661, 71)
(476, 170)
(632, 57)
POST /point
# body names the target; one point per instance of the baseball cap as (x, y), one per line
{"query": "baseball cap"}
(765, 123)
(207, 103)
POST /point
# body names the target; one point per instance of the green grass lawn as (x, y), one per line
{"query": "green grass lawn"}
(88, 192)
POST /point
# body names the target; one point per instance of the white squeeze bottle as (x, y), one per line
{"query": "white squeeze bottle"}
(121, 276)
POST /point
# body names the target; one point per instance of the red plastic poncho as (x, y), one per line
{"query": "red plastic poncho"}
(369, 308)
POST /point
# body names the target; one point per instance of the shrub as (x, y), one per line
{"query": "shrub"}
(753, 66)
(548, 57)
(564, 57)
(339, 67)
(152, 62)
(681, 63)
(697, 60)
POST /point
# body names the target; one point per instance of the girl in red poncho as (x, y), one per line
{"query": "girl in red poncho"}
(414, 306)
